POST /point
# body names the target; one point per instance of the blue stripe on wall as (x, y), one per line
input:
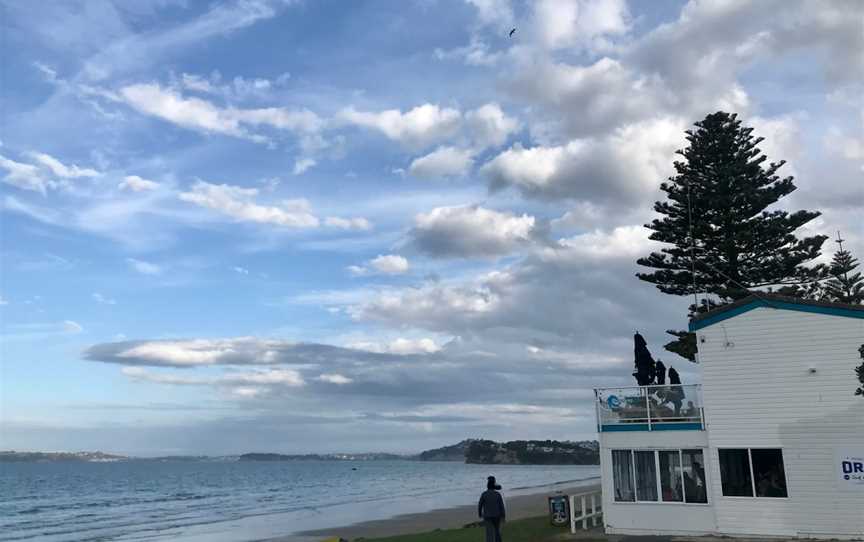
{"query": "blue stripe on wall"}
(756, 303)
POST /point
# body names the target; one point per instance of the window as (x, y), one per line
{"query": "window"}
(746, 472)
(622, 474)
(693, 469)
(768, 473)
(646, 476)
(672, 476)
(671, 487)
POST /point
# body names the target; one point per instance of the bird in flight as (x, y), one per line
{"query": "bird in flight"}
(512, 32)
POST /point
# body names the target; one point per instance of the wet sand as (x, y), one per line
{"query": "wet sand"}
(518, 507)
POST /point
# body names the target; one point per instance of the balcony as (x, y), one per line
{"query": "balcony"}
(650, 408)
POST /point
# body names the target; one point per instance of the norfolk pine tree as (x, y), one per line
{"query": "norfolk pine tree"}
(720, 192)
(845, 285)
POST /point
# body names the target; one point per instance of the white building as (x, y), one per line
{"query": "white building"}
(771, 443)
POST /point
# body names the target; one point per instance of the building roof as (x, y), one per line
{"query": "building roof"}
(775, 302)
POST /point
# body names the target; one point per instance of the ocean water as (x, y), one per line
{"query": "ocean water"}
(240, 501)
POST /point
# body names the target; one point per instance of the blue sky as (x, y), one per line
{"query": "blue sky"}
(316, 226)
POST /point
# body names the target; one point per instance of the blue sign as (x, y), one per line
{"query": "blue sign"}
(613, 402)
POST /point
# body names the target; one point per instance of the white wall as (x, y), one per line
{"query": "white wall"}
(758, 392)
(652, 518)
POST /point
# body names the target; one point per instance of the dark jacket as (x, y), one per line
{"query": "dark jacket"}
(491, 505)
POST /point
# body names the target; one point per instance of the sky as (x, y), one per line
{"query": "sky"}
(324, 226)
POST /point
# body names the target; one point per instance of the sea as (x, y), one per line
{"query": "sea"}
(241, 501)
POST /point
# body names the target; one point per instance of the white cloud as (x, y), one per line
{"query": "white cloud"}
(238, 88)
(471, 231)
(61, 170)
(570, 23)
(420, 127)
(70, 326)
(622, 167)
(99, 298)
(489, 126)
(389, 264)
(400, 345)
(3, 301)
(302, 165)
(244, 383)
(442, 162)
(145, 268)
(240, 270)
(357, 223)
(25, 176)
(236, 202)
(497, 13)
(198, 114)
(335, 378)
(137, 184)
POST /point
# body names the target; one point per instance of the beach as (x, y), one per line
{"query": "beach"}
(519, 506)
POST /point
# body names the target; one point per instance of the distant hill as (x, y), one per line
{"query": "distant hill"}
(46, 457)
(320, 457)
(455, 452)
(533, 452)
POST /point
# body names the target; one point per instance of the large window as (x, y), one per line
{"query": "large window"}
(671, 476)
(746, 472)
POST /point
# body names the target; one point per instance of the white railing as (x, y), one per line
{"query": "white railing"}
(584, 515)
(653, 407)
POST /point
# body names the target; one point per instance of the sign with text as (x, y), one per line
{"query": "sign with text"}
(850, 468)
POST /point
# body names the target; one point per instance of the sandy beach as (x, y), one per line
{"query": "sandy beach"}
(518, 507)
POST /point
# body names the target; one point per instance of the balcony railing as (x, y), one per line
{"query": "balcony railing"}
(650, 408)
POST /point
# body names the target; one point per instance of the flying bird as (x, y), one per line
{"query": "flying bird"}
(512, 32)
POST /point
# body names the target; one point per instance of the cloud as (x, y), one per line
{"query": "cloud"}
(203, 116)
(419, 127)
(400, 345)
(335, 378)
(70, 326)
(471, 232)
(24, 176)
(238, 88)
(389, 264)
(145, 268)
(137, 184)
(497, 13)
(489, 126)
(443, 162)
(302, 165)
(236, 202)
(3, 301)
(623, 167)
(358, 223)
(101, 299)
(61, 170)
(560, 24)
(239, 380)
(240, 270)
(229, 351)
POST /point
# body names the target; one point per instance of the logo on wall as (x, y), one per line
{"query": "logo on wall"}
(850, 468)
(613, 402)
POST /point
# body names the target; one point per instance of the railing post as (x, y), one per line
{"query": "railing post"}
(584, 514)
(648, 408)
(573, 514)
(593, 510)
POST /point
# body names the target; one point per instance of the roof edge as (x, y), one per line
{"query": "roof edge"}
(775, 302)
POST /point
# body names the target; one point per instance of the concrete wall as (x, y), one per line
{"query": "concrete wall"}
(759, 391)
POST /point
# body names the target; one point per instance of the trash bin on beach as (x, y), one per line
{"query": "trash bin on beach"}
(559, 509)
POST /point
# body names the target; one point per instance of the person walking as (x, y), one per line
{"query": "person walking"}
(491, 510)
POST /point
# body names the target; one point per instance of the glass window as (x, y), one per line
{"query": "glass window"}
(671, 484)
(768, 473)
(646, 476)
(735, 473)
(693, 469)
(622, 475)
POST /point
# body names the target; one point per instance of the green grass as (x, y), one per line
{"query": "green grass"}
(523, 530)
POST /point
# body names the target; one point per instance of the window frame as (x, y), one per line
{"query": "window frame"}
(752, 477)
(660, 500)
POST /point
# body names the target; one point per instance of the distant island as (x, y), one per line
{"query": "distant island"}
(517, 452)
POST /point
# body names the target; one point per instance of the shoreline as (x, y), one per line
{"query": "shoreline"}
(519, 506)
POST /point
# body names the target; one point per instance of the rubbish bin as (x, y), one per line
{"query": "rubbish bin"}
(559, 509)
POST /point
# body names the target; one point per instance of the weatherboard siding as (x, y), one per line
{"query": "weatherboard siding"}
(758, 391)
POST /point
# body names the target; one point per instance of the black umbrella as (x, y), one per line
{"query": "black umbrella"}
(645, 366)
